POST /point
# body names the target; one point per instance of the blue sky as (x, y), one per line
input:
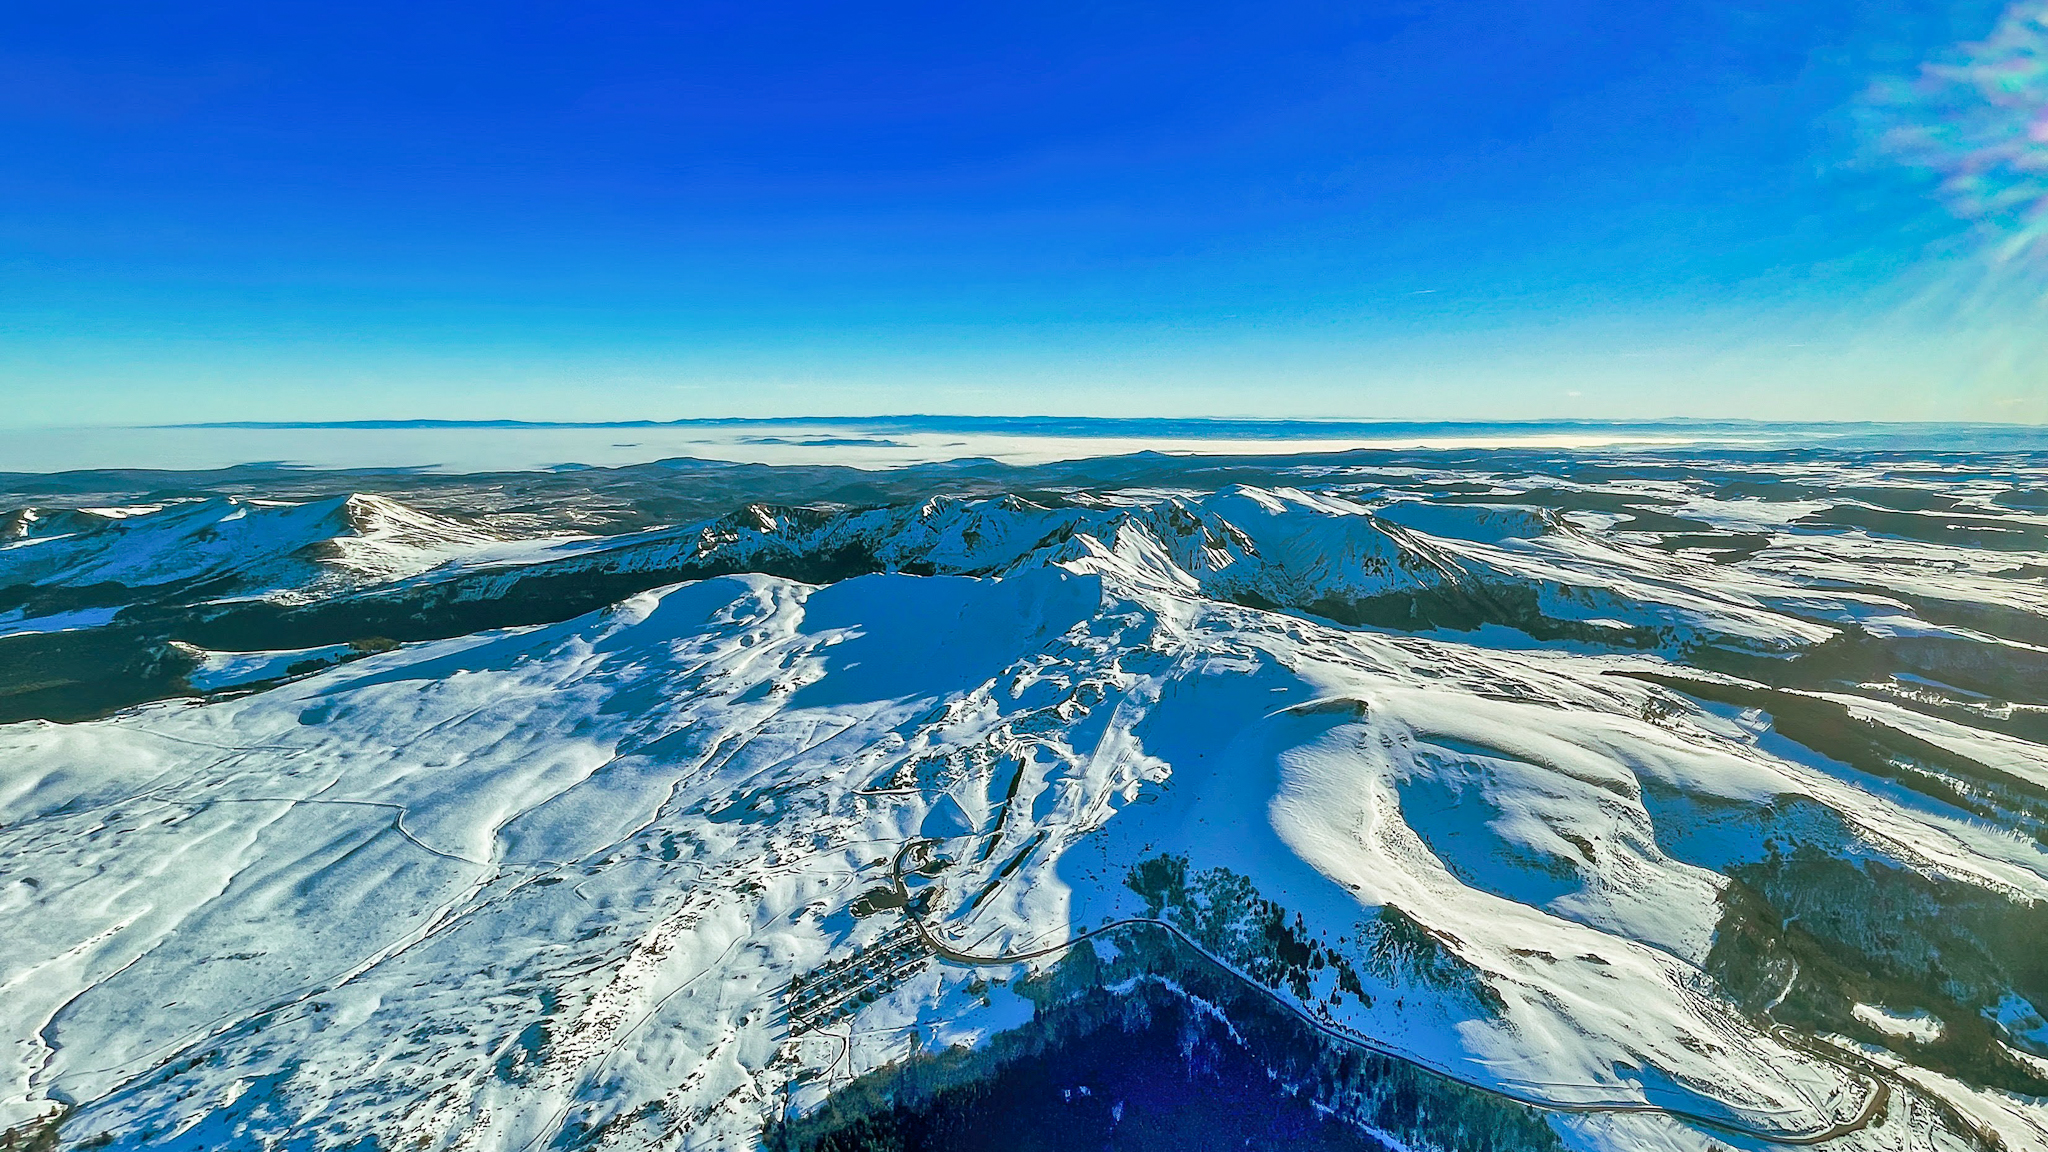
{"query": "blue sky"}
(1406, 209)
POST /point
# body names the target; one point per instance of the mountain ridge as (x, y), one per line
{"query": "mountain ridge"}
(650, 869)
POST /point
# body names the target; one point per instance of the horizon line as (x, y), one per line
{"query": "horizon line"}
(960, 420)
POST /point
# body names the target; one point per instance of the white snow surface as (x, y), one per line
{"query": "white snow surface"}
(343, 905)
(480, 892)
(218, 670)
(246, 544)
(18, 622)
(1917, 1025)
(1282, 547)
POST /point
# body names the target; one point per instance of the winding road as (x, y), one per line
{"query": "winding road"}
(1873, 1107)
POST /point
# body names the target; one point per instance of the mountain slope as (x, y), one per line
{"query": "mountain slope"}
(1646, 849)
(645, 822)
(228, 545)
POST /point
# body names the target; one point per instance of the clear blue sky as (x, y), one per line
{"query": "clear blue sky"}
(1416, 209)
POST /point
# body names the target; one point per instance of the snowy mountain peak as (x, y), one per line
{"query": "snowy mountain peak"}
(233, 544)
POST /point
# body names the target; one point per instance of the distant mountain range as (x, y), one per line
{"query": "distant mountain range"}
(1864, 433)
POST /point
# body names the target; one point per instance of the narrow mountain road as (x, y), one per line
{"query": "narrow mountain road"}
(1873, 1107)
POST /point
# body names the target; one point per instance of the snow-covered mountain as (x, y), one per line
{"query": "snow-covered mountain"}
(227, 545)
(1611, 840)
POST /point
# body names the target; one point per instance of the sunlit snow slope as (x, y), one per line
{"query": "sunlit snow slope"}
(1662, 839)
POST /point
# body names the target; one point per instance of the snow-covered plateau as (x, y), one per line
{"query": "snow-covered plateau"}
(1489, 801)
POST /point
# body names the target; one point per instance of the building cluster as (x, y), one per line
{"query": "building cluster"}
(843, 987)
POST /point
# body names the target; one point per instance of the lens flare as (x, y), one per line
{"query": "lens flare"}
(1978, 121)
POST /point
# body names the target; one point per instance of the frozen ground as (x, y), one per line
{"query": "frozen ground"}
(1628, 793)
